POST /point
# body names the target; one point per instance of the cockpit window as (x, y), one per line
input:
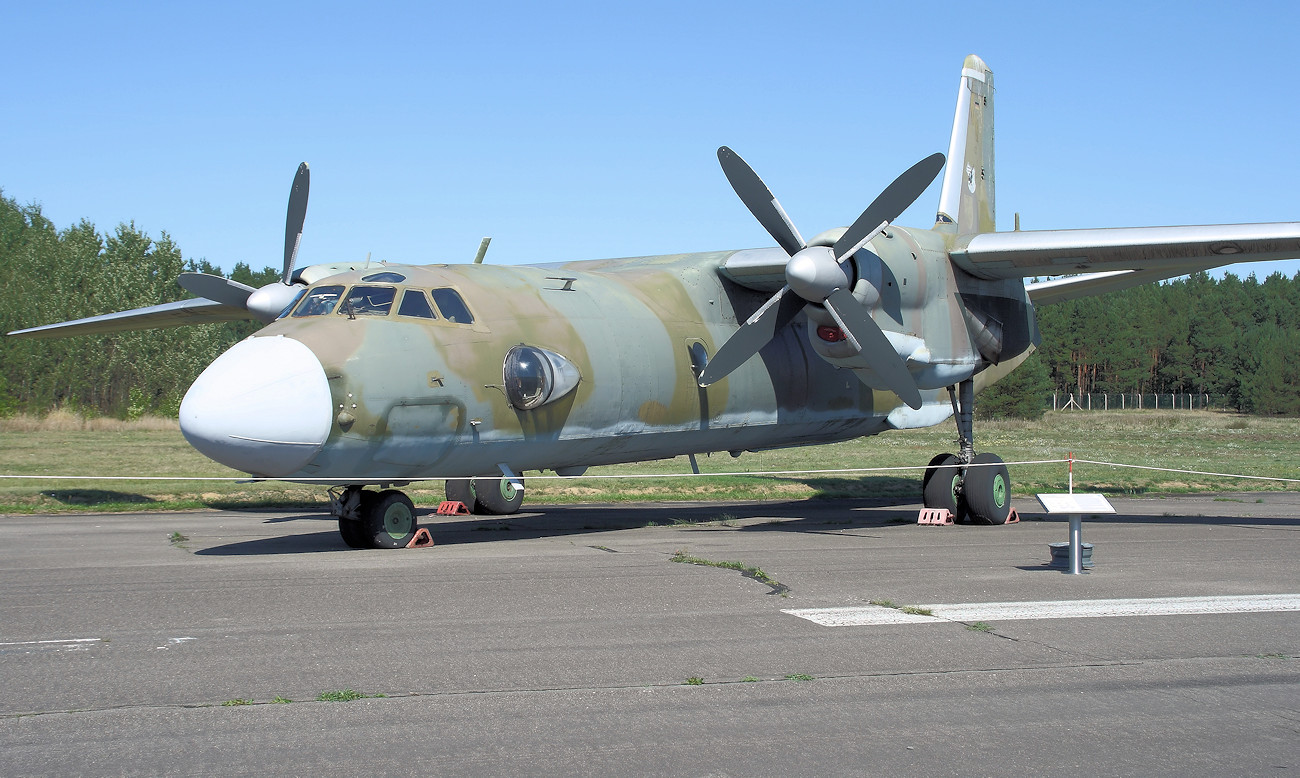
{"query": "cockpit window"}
(385, 277)
(414, 303)
(368, 301)
(319, 301)
(452, 306)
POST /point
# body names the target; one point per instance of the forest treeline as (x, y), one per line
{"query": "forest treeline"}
(1234, 338)
(49, 275)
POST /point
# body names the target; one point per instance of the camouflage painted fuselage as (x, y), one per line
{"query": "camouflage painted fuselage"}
(420, 398)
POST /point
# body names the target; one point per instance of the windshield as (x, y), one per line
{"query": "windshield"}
(319, 301)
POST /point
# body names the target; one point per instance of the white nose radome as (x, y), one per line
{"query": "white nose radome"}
(262, 407)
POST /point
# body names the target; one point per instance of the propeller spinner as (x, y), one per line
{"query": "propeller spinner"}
(817, 275)
(266, 303)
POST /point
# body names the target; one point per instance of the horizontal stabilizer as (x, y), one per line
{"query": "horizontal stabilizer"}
(1172, 250)
(155, 316)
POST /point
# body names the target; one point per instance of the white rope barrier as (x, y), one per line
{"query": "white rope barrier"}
(1069, 460)
(1191, 472)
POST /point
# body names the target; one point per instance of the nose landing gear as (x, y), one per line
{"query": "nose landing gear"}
(374, 519)
(974, 487)
(386, 519)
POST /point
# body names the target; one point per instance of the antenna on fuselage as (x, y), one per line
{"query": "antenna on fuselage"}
(482, 251)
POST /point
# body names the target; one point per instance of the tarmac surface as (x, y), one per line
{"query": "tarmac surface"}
(564, 641)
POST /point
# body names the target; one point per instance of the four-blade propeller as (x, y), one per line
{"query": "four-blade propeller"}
(269, 301)
(817, 275)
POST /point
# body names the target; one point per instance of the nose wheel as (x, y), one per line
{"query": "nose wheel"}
(374, 519)
(973, 487)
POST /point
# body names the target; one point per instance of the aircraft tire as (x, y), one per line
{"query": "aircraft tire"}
(390, 520)
(354, 533)
(941, 486)
(462, 490)
(988, 490)
(497, 496)
(931, 469)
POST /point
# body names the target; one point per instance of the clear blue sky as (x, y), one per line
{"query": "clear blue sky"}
(588, 130)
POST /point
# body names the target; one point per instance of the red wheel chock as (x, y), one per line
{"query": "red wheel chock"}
(453, 508)
(422, 539)
(939, 517)
(1014, 518)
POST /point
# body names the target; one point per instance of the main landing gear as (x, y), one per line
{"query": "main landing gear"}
(487, 496)
(974, 487)
(386, 519)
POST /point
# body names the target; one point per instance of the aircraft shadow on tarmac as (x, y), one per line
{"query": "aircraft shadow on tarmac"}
(804, 516)
(565, 520)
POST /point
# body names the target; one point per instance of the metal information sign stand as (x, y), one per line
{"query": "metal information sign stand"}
(1075, 505)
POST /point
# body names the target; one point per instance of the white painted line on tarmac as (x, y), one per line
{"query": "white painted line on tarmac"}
(874, 615)
(62, 644)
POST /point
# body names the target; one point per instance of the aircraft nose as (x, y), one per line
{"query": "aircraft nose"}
(262, 407)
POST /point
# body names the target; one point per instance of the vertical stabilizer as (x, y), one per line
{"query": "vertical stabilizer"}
(966, 204)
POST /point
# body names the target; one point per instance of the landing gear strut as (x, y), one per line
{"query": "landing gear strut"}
(974, 487)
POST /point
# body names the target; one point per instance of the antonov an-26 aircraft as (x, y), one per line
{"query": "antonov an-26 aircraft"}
(379, 375)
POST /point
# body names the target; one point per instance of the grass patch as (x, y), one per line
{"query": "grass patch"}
(278, 700)
(234, 702)
(913, 610)
(64, 444)
(799, 677)
(749, 571)
(980, 626)
(750, 679)
(695, 680)
(346, 695)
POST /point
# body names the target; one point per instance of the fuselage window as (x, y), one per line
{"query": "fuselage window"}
(414, 303)
(319, 301)
(368, 301)
(452, 306)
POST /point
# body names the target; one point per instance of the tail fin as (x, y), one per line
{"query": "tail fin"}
(966, 204)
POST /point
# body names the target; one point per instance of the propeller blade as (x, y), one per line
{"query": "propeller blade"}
(870, 340)
(759, 200)
(752, 336)
(216, 288)
(294, 220)
(889, 205)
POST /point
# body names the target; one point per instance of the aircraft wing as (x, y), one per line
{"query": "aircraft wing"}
(195, 311)
(1156, 252)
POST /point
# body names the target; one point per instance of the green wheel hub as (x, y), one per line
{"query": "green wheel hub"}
(398, 520)
(999, 490)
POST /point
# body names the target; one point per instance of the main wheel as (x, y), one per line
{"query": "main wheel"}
(461, 490)
(497, 496)
(941, 486)
(988, 489)
(932, 468)
(390, 520)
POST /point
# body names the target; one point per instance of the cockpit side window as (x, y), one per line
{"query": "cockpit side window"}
(319, 301)
(368, 301)
(452, 306)
(416, 304)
